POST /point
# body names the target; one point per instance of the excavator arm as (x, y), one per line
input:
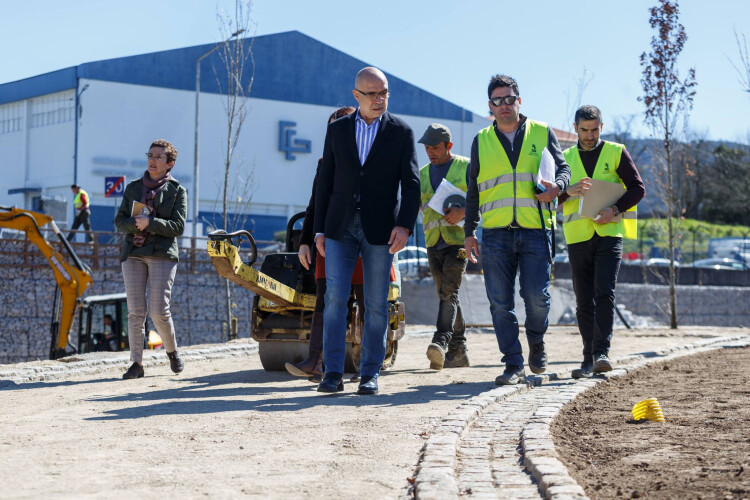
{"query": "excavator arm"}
(72, 279)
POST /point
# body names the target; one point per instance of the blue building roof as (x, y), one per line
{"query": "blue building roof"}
(289, 66)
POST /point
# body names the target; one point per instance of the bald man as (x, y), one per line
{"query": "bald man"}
(366, 203)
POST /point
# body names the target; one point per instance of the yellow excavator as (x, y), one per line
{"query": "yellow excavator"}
(72, 279)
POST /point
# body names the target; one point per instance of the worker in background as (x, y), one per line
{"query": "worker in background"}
(444, 240)
(595, 245)
(83, 212)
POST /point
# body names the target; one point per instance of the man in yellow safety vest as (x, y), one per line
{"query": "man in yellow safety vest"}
(83, 212)
(444, 239)
(517, 210)
(595, 245)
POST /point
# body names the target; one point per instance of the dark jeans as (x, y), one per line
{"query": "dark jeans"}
(506, 251)
(447, 266)
(82, 217)
(594, 265)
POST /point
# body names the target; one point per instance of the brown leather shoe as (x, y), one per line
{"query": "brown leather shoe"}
(313, 365)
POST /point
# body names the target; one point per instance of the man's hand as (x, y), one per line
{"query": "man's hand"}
(142, 222)
(605, 216)
(399, 237)
(320, 244)
(579, 188)
(305, 256)
(550, 194)
(471, 245)
(454, 215)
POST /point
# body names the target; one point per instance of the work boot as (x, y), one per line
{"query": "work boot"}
(437, 350)
(456, 357)
(511, 376)
(602, 363)
(175, 361)
(585, 371)
(135, 371)
(312, 367)
(537, 358)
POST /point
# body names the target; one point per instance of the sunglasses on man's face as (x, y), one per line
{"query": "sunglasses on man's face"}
(509, 100)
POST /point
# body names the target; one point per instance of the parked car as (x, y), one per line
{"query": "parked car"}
(412, 262)
(653, 262)
(717, 263)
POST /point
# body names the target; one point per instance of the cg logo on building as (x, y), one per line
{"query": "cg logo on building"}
(288, 145)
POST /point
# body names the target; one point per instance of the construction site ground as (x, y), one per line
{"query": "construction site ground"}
(225, 428)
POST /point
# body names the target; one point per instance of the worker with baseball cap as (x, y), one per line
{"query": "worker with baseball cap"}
(444, 239)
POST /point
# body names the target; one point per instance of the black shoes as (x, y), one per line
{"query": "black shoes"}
(332, 382)
(511, 376)
(537, 358)
(135, 371)
(602, 363)
(585, 371)
(175, 361)
(368, 386)
(456, 357)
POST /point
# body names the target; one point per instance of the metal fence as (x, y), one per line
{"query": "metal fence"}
(104, 251)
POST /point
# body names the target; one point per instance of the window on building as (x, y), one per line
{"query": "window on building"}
(11, 115)
(53, 109)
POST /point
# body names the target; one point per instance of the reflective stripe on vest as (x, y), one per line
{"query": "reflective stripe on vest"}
(577, 228)
(506, 194)
(433, 224)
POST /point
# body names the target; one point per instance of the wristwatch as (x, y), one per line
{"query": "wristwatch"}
(615, 211)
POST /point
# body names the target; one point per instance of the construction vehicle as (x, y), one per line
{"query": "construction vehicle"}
(72, 279)
(285, 299)
(95, 335)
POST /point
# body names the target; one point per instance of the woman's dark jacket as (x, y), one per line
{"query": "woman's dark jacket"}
(166, 225)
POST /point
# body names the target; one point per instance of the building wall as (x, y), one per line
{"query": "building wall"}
(118, 121)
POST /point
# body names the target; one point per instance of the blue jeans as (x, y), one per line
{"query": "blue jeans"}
(505, 251)
(341, 255)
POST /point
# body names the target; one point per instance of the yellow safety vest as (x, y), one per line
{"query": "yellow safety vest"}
(433, 224)
(507, 194)
(77, 202)
(577, 228)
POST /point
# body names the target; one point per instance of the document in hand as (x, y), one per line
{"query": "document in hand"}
(601, 195)
(139, 209)
(444, 190)
(546, 169)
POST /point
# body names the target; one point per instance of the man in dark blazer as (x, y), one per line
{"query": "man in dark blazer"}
(359, 209)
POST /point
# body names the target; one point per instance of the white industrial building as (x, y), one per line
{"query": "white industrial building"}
(125, 103)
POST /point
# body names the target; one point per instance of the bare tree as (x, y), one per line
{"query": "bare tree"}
(743, 68)
(572, 103)
(668, 100)
(239, 67)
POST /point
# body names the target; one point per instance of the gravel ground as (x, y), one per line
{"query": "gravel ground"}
(226, 428)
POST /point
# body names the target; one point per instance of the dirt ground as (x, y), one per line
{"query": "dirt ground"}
(701, 451)
(226, 428)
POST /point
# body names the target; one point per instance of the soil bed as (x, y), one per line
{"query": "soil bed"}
(701, 451)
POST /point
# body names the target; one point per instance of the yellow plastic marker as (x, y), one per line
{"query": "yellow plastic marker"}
(648, 408)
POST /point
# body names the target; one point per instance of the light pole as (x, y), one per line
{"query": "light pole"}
(196, 167)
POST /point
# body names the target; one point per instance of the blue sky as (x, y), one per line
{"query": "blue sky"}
(449, 48)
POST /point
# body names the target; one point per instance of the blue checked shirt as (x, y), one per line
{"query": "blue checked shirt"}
(365, 134)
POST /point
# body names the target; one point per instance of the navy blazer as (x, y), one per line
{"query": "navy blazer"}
(387, 184)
